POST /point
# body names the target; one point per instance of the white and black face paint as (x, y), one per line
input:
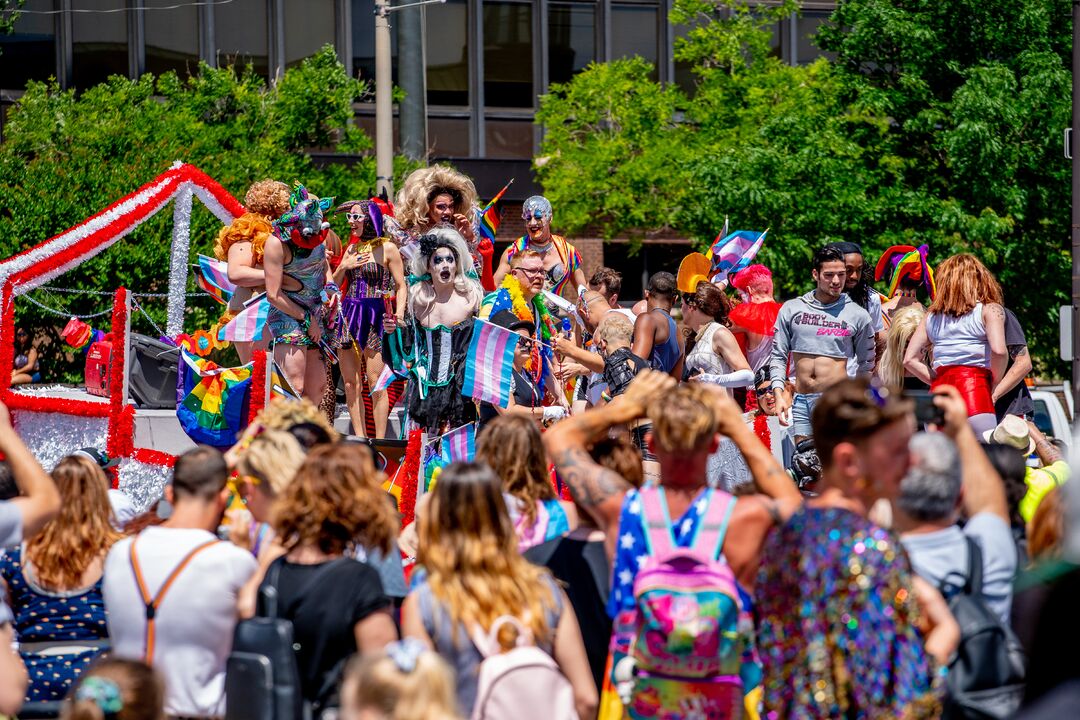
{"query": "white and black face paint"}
(442, 264)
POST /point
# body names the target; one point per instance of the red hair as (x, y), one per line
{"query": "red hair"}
(754, 278)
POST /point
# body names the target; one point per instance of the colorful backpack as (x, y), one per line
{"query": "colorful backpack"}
(688, 606)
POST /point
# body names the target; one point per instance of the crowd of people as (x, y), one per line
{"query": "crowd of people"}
(708, 505)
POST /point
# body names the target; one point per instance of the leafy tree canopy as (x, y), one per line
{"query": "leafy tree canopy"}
(937, 123)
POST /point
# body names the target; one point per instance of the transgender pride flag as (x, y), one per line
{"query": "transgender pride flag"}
(734, 252)
(490, 364)
(248, 325)
(459, 445)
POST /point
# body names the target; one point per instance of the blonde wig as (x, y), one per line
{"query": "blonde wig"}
(904, 324)
(421, 188)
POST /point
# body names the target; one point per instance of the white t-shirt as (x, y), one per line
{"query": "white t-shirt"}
(943, 555)
(11, 525)
(124, 511)
(195, 622)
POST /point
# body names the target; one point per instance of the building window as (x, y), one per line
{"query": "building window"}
(308, 26)
(99, 42)
(448, 137)
(363, 42)
(447, 53)
(241, 34)
(29, 53)
(508, 138)
(571, 39)
(806, 49)
(508, 55)
(172, 37)
(635, 31)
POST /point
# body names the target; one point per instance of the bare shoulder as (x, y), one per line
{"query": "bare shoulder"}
(994, 311)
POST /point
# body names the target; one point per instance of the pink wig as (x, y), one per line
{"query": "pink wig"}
(754, 278)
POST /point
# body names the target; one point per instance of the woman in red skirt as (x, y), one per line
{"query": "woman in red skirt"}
(966, 328)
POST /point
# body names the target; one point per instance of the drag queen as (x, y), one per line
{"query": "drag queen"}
(431, 347)
(241, 244)
(373, 277)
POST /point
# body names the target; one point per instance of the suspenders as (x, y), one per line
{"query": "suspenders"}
(153, 603)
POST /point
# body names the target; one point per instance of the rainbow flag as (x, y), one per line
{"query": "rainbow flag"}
(459, 445)
(489, 366)
(734, 252)
(491, 216)
(212, 277)
(214, 400)
(249, 323)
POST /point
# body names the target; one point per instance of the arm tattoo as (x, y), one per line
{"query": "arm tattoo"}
(590, 484)
(1019, 352)
(996, 311)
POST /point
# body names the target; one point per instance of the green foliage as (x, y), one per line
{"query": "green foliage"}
(9, 15)
(938, 123)
(67, 156)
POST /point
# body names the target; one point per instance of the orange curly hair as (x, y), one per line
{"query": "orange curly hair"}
(336, 502)
(249, 227)
(82, 531)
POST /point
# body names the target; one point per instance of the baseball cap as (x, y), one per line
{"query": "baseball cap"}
(103, 460)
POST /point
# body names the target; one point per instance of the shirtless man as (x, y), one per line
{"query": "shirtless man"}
(561, 260)
(241, 244)
(820, 331)
(656, 336)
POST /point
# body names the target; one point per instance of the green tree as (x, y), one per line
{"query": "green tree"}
(65, 156)
(977, 93)
(938, 123)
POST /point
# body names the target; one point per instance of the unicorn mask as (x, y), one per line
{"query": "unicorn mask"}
(303, 223)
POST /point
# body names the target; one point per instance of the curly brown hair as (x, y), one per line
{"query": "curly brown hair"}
(335, 503)
(269, 198)
(511, 446)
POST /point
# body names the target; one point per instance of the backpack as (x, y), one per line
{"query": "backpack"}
(262, 678)
(986, 677)
(690, 620)
(523, 683)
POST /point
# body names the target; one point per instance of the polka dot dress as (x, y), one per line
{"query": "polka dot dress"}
(41, 616)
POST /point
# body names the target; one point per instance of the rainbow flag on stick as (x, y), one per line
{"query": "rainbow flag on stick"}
(212, 277)
(489, 365)
(491, 216)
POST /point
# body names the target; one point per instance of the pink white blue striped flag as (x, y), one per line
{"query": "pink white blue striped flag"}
(459, 445)
(212, 276)
(248, 325)
(734, 252)
(386, 377)
(490, 364)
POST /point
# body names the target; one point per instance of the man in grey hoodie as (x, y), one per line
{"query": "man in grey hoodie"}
(819, 331)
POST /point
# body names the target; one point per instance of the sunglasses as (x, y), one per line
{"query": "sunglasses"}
(526, 344)
(353, 217)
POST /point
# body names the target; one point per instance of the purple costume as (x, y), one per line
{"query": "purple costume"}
(363, 304)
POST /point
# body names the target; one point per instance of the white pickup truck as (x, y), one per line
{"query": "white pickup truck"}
(1054, 411)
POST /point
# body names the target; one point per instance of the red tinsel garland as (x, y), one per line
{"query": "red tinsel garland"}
(121, 438)
(407, 478)
(7, 337)
(257, 390)
(153, 457)
(62, 406)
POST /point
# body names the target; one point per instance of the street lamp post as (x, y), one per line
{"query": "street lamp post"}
(384, 111)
